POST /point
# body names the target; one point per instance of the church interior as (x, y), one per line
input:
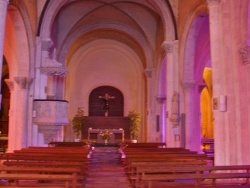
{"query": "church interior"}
(140, 75)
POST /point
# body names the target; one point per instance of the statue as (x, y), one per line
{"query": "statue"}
(175, 115)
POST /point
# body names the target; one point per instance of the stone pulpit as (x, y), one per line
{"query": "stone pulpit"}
(50, 116)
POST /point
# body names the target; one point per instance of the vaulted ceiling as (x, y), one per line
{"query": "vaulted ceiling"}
(134, 23)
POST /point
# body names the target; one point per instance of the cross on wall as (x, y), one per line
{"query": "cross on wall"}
(106, 97)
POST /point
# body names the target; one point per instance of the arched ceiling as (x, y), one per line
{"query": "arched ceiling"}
(135, 23)
(106, 34)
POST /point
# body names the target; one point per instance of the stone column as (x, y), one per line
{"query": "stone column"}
(3, 11)
(192, 132)
(22, 106)
(149, 74)
(170, 51)
(216, 60)
(162, 101)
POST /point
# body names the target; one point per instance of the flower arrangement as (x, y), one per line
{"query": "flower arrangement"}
(78, 121)
(106, 134)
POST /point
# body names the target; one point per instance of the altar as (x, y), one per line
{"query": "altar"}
(105, 123)
(116, 136)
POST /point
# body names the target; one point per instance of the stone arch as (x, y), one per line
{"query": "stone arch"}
(54, 6)
(193, 62)
(19, 52)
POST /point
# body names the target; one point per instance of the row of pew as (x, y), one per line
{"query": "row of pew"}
(50, 167)
(153, 166)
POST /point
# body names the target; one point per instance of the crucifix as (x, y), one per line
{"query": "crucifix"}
(106, 99)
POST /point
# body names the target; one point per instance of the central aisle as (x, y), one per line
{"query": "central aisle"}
(106, 169)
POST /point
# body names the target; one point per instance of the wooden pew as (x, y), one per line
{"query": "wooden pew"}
(184, 176)
(28, 163)
(67, 144)
(66, 165)
(127, 149)
(46, 155)
(138, 168)
(51, 152)
(137, 158)
(42, 157)
(68, 176)
(173, 158)
(143, 145)
(166, 156)
(156, 150)
(68, 180)
(56, 149)
(80, 171)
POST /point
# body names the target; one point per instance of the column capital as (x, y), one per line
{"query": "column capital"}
(244, 51)
(10, 84)
(24, 82)
(213, 2)
(167, 47)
